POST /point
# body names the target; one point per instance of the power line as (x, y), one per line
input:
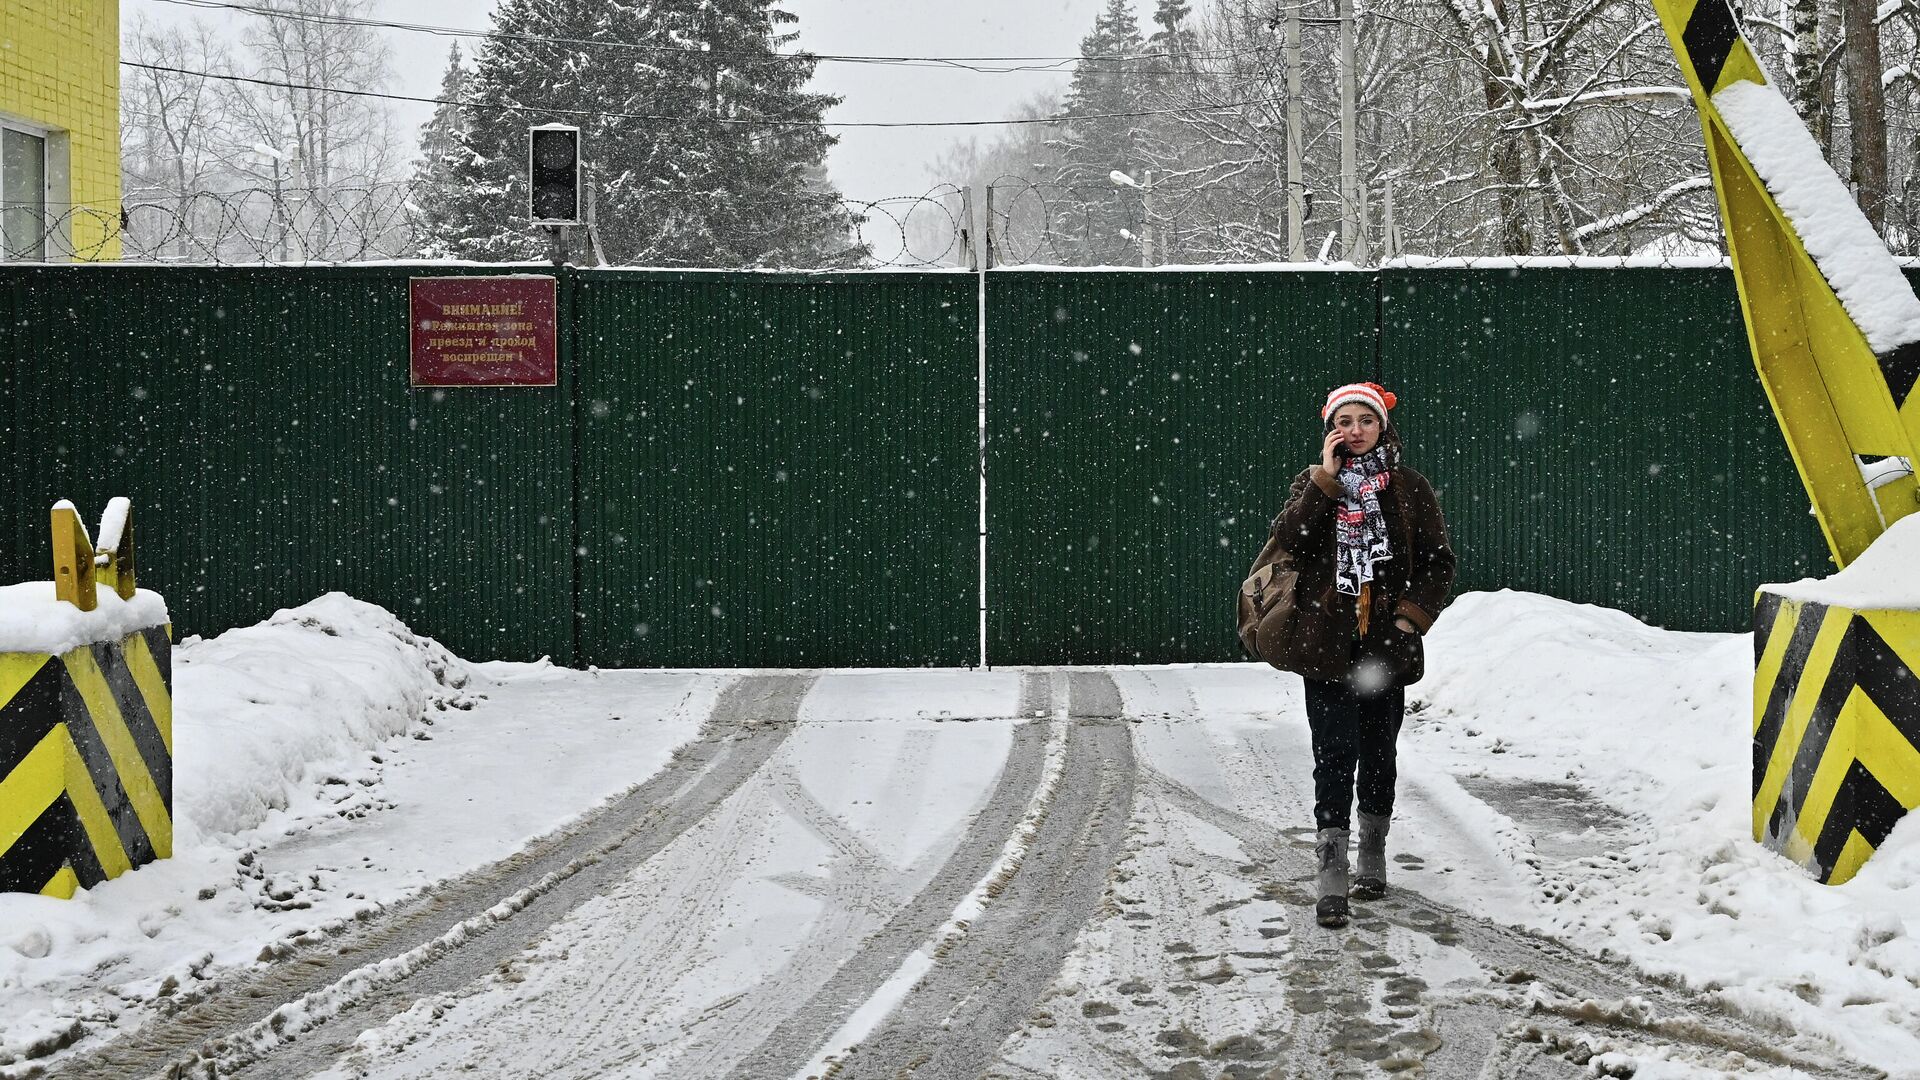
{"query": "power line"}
(743, 121)
(1047, 64)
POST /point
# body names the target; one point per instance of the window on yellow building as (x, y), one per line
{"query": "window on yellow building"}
(23, 195)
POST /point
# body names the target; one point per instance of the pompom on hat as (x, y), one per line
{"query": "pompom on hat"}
(1372, 395)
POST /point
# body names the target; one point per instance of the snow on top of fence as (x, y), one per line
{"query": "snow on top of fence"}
(1558, 262)
(535, 268)
(1849, 253)
(1292, 267)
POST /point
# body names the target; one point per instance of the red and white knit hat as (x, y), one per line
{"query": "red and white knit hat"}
(1372, 395)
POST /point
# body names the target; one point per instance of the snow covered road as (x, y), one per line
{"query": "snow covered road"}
(1018, 873)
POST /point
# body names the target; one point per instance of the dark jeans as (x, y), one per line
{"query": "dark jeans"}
(1352, 732)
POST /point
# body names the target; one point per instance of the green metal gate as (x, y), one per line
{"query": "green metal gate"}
(781, 469)
(1599, 435)
(777, 470)
(1142, 430)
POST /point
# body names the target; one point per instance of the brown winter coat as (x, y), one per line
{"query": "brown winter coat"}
(1414, 583)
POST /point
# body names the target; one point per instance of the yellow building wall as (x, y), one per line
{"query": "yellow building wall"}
(60, 69)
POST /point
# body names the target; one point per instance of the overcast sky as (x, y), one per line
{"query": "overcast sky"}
(868, 163)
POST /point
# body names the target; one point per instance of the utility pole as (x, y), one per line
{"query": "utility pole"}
(1353, 237)
(1296, 215)
(593, 225)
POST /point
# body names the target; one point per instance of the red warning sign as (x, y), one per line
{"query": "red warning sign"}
(484, 331)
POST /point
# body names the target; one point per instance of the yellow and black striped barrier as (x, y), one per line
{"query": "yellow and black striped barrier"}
(86, 737)
(1836, 730)
(1836, 702)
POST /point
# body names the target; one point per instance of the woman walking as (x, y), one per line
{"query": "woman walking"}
(1365, 535)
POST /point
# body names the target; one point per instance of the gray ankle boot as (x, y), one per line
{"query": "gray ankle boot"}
(1370, 876)
(1330, 883)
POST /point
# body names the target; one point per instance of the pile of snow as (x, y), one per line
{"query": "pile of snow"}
(1658, 725)
(271, 706)
(1850, 254)
(1885, 577)
(33, 620)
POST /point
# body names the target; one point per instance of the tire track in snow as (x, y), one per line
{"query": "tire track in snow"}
(981, 987)
(803, 1029)
(461, 929)
(857, 882)
(859, 891)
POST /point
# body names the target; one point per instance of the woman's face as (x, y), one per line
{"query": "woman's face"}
(1359, 427)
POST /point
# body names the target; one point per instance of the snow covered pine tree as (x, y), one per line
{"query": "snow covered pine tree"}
(734, 179)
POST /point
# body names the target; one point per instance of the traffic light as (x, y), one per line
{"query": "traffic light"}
(553, 168)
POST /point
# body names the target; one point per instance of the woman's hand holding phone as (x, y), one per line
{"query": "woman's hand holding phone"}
(1332, 451)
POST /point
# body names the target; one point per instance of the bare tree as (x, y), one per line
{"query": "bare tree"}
(331, 159)
(174, 133)
(333, 138)
(1499, 128)
(1011, 164)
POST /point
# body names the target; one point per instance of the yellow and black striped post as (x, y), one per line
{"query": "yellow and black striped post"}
(86, 749)
(1836, 730)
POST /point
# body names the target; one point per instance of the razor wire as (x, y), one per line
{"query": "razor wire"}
(1026, 222)
(1126, 223)
(385, 221)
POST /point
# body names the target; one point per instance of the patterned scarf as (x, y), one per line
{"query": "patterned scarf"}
(1360, 528)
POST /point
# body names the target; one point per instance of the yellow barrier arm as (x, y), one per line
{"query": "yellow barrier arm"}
(1836, 398)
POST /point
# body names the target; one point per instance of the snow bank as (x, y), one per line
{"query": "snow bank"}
(1886, 576)
(1836, 233)
(32, 620)
(1591, 692)
(269, 705)
(273, 726)
(1658, 725)
(328, 763)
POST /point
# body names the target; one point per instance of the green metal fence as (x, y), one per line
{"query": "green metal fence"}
(762, 469)
(262, 422)
(734, 469)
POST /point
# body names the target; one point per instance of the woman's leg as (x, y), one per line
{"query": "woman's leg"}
(1376, 735)
(1332, 718)
(1375, 746)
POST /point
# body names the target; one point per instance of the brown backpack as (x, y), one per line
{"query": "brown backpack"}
(1286, 622)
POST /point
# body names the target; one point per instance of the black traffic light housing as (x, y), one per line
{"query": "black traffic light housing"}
(553, 170)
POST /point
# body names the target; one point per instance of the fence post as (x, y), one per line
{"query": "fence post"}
(968, 229)
(566, 345)
(987, 228)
